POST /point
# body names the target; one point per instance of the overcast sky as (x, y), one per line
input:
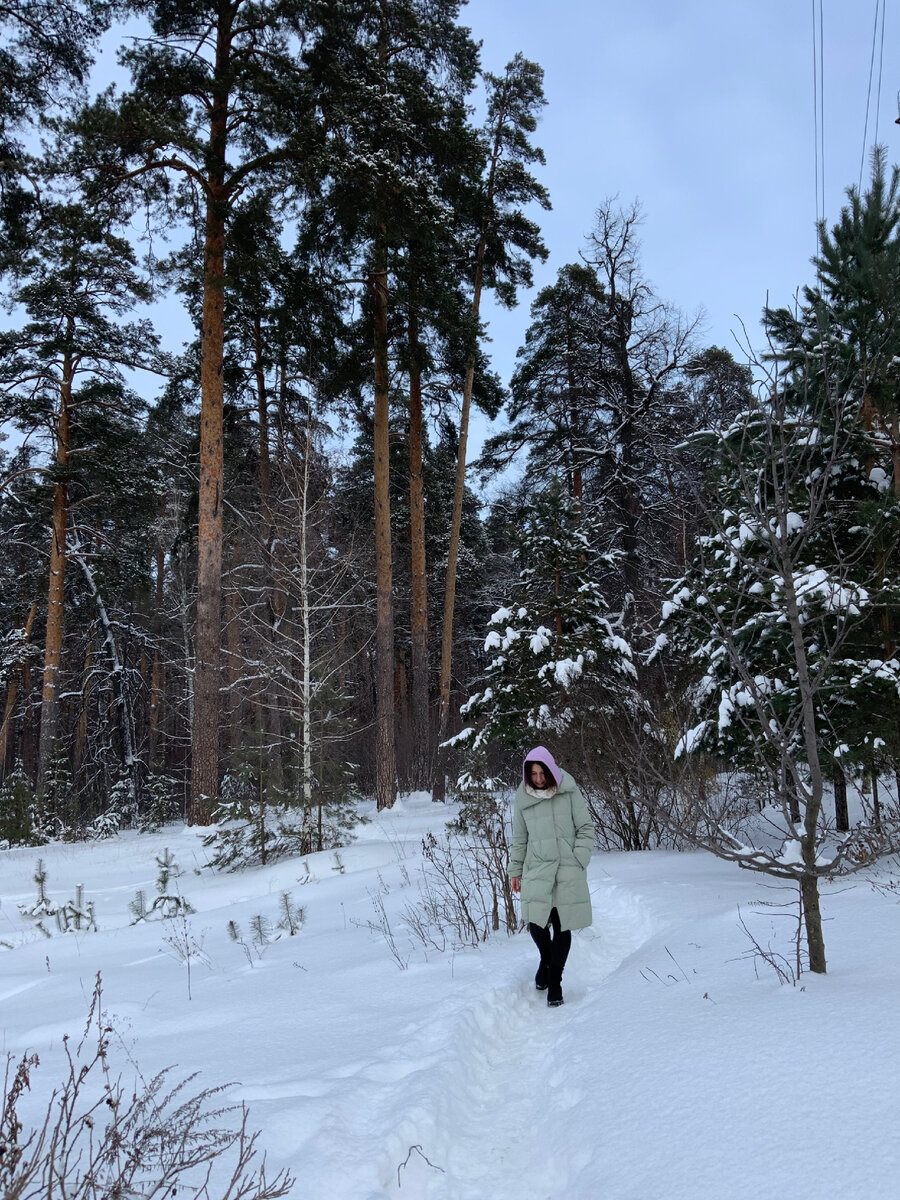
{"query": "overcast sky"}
(703, 110)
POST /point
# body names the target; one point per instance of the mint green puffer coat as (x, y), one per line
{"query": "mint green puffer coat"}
(551, 847)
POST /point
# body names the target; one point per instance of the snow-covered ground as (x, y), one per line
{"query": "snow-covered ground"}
(672, 1070)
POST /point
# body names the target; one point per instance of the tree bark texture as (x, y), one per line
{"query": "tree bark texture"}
(208, 624)
(56, 585)
(385, 760)
(459, 492)
(418, 614)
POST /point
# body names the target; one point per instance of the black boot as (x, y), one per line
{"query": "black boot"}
(542, 977)
(559, 952)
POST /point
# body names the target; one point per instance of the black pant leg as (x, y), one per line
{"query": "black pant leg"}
(561, 945)
(541, 937)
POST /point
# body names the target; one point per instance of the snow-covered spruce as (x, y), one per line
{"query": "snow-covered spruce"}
(556, 655)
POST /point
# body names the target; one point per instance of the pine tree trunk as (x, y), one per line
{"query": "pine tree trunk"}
(13, 691)
(56, 584)
(418, 614)
(208, 625)
(385, 753)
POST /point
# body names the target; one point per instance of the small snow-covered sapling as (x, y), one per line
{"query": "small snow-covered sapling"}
(292, 915)
(43, 906)
(76, 915)
(260, 931)
(138, 907)
(234, 932)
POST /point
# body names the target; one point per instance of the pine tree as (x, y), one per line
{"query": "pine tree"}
(44, 60)
(218, 98)
(389, 75)
(505, 242)
(557, 406)
(63, 369)
(557, 658)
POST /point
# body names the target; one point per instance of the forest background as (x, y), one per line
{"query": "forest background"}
(248, 577)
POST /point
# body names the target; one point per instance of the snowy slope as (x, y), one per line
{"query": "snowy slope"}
(672, 1071)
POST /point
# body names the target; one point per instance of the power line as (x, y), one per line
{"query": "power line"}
(818, 32)
(862, 157)
(822, 99)
(880, 65)
(876, 41)
(815, 116)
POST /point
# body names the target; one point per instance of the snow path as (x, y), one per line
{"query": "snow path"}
(473, 1083)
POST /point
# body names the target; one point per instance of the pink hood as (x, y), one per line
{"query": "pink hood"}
(542, 755)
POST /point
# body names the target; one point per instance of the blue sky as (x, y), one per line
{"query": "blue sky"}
(703, 110)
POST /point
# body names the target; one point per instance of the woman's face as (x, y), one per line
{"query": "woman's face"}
(539, 778)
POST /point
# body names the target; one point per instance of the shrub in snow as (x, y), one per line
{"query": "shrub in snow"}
(104, 826)
(23, 820)
(76, 915)
(168, 901)
(260, 931)
(159, 803)
(101, 1136)
(17, 810)
(463, 889)
(122, 807)
(252, 828)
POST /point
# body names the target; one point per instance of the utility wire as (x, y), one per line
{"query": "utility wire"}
(818, 30)
(862, 157)
(880, 65)
(876, 41)
(815, 116)
(822, 100)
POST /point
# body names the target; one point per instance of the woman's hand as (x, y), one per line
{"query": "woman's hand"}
(516, 883)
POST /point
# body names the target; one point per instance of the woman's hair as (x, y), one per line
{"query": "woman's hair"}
(536, 762)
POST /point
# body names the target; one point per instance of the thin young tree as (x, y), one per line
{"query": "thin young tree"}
(775, 612)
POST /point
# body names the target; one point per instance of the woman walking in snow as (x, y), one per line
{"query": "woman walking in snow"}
(553, 837)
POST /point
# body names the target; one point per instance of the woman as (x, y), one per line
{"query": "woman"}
(553, 837)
